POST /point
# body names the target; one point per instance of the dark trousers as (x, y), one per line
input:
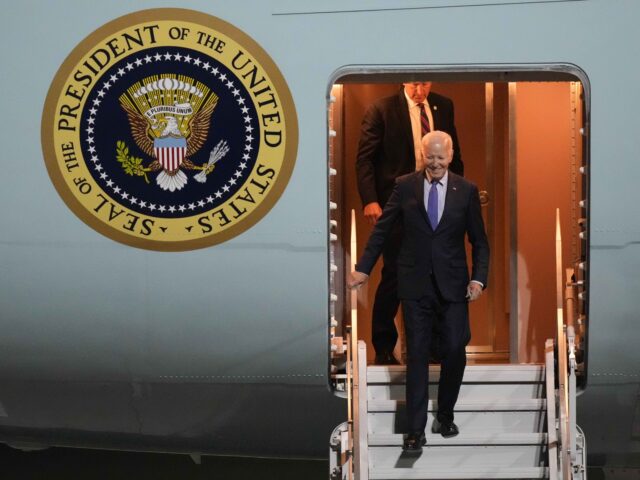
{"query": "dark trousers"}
(420, 317)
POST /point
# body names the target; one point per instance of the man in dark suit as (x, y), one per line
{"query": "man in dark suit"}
(389, 147)
(436, 208)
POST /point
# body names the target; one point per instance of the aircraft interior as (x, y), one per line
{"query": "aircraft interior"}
(522, 135)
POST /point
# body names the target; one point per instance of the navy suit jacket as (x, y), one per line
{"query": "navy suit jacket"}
(425, 250)
(386, 151)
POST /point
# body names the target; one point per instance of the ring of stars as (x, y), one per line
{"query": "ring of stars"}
(152, 207)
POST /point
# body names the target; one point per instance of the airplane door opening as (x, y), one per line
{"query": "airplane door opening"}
(523, 136)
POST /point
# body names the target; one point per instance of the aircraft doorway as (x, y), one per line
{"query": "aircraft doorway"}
(522, 145)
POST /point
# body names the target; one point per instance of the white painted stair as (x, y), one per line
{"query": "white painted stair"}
(501, 413)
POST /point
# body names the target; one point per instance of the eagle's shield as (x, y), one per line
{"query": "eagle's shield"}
(170, 151)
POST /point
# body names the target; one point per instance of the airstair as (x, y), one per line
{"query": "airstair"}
(516, 421)
(500, 413)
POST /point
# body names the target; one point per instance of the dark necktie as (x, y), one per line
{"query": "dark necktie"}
(424, 120)
(432, 204)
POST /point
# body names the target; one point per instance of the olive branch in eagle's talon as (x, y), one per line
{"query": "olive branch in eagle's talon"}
(130, 164)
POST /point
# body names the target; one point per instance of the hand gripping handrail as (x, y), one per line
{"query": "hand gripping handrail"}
(349, 443)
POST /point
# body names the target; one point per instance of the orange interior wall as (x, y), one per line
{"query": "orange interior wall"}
(544, 130)
(544, 133)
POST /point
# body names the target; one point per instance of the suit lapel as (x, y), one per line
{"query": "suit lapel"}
(435, 111)
(405, 118)
(451, 198)
(419, 189)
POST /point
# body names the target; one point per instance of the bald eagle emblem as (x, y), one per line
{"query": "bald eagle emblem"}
(170, 117)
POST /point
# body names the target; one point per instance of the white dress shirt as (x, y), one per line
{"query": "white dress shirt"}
(416, 127)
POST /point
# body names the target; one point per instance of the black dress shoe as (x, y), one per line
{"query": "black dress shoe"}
(414, 442)
(386, 358)
(446, 429)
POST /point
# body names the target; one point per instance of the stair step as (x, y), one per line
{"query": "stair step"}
(441, 457)
(476, 404)
(468, 390)
(472, 373)
(460, 472)
(465, 438)
(472, 422)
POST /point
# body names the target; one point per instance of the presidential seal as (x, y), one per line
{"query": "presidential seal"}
(168, 129)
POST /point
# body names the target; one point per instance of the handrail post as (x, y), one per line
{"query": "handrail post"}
(552, 432)
(565, 460)
(362, 465)
(350, 411)
(357, 366)
(572, 393)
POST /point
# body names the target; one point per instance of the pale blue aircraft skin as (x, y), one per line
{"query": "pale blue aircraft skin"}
(96, 351)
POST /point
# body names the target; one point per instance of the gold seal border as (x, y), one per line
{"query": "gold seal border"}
(206, 21)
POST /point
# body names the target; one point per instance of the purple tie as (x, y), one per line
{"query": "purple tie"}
(432, 204)
(424, 120)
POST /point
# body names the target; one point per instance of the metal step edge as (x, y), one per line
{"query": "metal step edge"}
(484, 439)
(486, 391)
(482, 405)
(522, 367)
(472, 374)
(474, 422)
(459, 472)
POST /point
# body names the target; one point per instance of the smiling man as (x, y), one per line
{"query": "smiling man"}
(437, 209)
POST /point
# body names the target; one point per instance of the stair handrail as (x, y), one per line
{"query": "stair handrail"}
(357, 366)
(563, 394)
(570, 462)
(571, 357)
(552, 435)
